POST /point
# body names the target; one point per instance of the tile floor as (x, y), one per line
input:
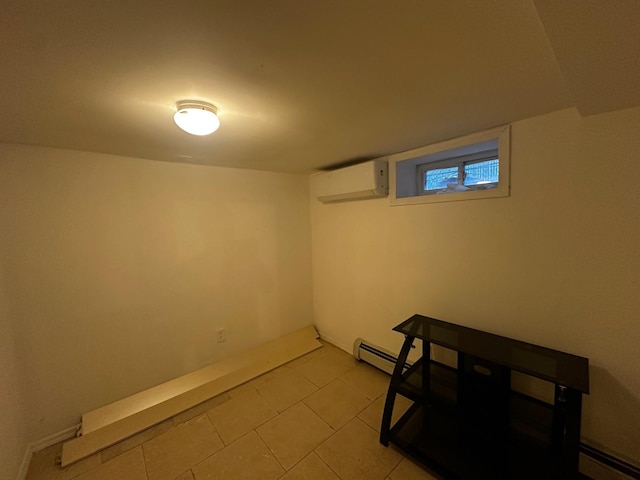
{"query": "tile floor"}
(317, 417)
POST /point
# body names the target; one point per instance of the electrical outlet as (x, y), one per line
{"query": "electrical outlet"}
(221, 335)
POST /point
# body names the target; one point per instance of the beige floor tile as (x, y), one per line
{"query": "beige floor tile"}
(407, 470)
(311, 468)
(347, 354)
(251, 385)
(367, 380)
(286, 389)
(138, 439)
(293, 434)
(128, 466)
(201, 408)
(245, 459)
(299, 361)
(326, 347)
(337, 403)
(43, 465)
(244, 412)
(329, 346)
(328, 367)
(192, 449)
(355, 453)
(372, 415)
(177, 450)
(319, 352)
(280, 370)
(188, 475)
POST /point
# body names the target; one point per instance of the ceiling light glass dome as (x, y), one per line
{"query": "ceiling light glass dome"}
(196, 118)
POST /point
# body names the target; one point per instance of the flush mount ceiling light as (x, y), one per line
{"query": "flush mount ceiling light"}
(196, 118)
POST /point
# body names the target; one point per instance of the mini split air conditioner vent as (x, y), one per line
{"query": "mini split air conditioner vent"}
(365, 180)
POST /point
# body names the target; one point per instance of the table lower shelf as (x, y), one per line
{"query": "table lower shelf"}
(440, 439)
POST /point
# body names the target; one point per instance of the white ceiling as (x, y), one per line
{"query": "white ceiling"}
(303, 84)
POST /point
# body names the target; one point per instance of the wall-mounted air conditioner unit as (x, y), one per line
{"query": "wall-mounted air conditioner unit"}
(365, 180)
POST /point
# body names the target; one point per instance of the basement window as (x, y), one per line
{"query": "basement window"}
(461, 174)
(472, 167)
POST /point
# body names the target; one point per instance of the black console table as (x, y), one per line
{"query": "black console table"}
(468, 423)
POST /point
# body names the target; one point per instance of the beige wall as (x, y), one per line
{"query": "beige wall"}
(13, 422)
(557, 263)
(119, 270)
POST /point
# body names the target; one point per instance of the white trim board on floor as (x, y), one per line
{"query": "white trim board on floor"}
(46, 442)
(112, 423)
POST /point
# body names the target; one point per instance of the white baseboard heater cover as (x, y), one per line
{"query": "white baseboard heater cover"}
(377, 356)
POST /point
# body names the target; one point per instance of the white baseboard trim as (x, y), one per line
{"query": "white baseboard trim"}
(334, 342)
(61, 436)
(24, 466)
(46, 442)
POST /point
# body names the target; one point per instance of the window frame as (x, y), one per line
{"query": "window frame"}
(404, 168)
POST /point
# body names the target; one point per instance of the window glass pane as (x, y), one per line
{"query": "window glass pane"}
(481, 172)
(440, 177)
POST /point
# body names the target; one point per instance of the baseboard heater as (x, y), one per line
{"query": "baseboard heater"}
(622, 469)
(376, 356)
(385, 360)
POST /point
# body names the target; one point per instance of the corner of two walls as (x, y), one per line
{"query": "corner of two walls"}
(557, 263)
(125, 265)
(118, 271)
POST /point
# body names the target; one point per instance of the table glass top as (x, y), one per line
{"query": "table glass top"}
(558, 367)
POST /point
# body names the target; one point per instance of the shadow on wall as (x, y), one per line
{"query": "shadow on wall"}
(617, 415)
